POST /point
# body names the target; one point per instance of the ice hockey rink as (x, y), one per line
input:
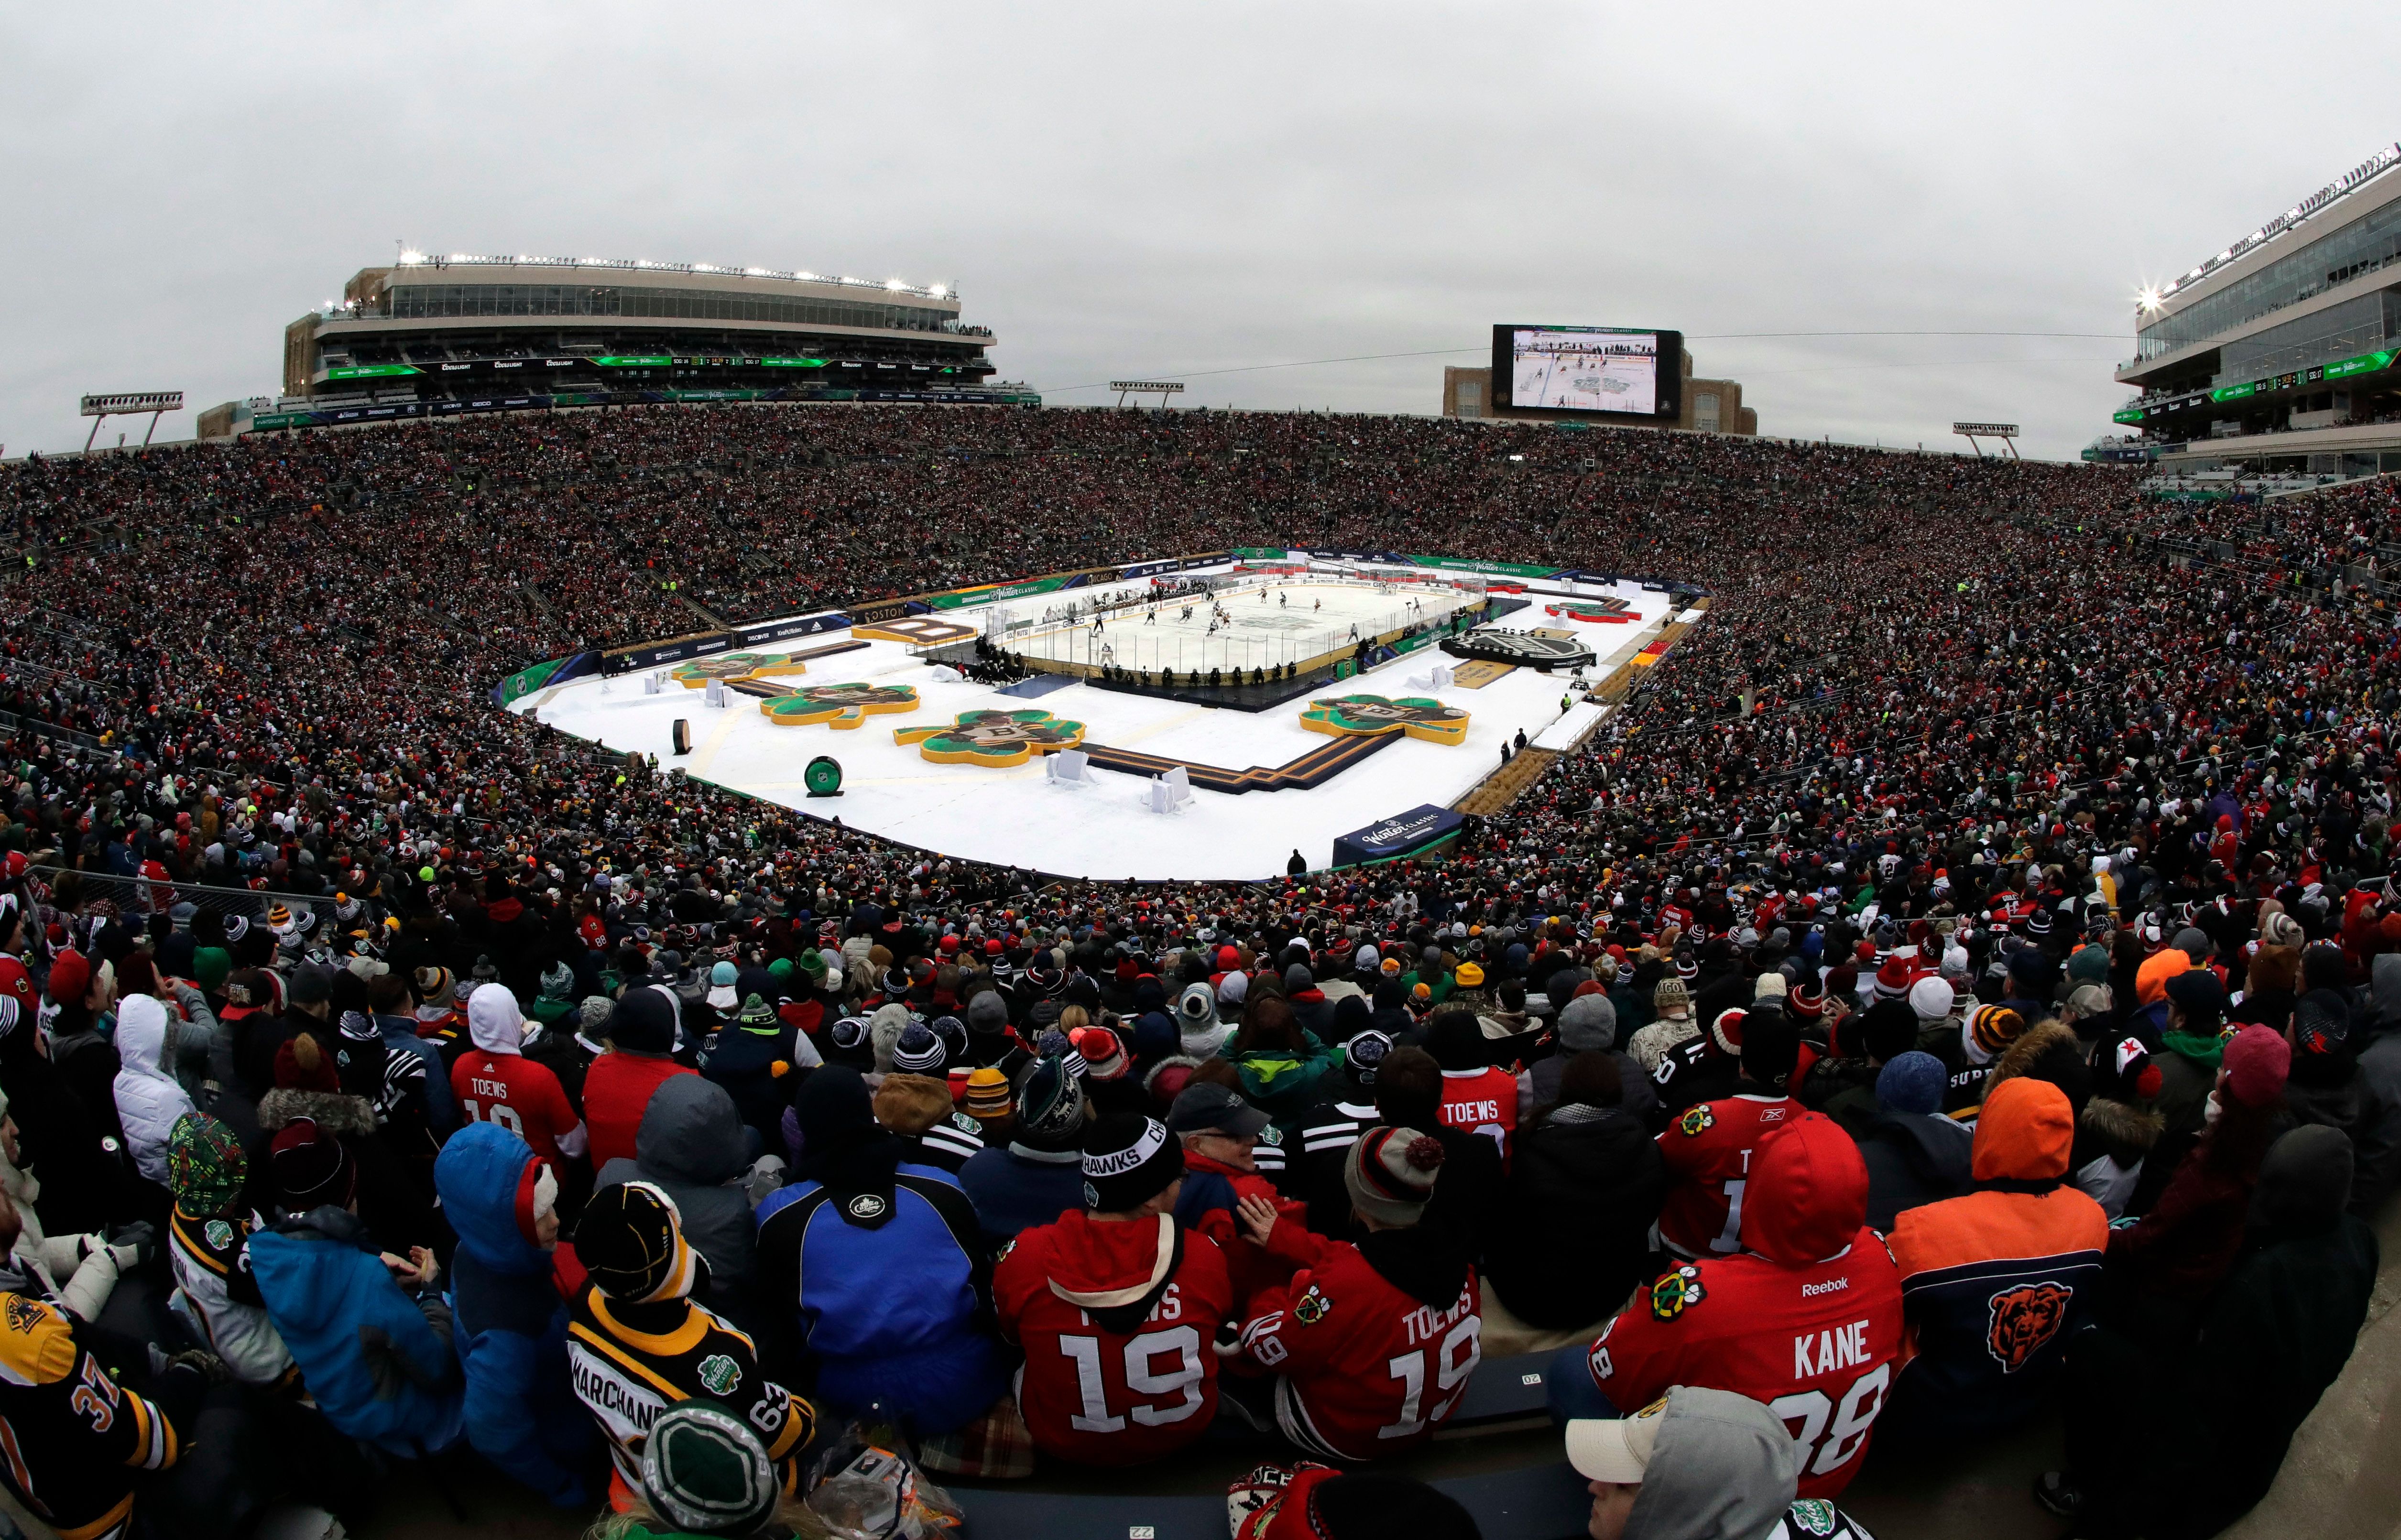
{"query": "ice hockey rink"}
(1263, 623)
(1106, 827)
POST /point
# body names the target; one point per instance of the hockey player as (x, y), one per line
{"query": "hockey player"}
(1117, 1308)
(1807, 1320)
(637, 1344)
(1372, 1344)
(1709, 1146)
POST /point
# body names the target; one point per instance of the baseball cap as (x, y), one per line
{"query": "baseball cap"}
(1617, 1449)
(1207, 1106)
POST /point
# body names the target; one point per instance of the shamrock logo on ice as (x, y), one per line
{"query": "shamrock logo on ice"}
(998, 739)
(839, 706)
(1371, 716)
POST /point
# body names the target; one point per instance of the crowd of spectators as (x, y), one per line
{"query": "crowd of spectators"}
(539, 1103)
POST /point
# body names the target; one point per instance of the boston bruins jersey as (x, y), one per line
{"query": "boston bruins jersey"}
(628, 1378)
(71, 1437)
(212, 1261)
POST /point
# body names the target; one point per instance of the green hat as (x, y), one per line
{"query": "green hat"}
(780, 970)
(205, 1166)
(813, 963)
(706, 1473)
(755, 1011)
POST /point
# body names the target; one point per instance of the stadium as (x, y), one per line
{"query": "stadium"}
(1070, 970)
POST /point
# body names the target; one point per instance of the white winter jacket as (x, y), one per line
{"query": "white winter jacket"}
(149, 1099)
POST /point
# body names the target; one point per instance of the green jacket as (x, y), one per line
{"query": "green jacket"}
(1285, 1084)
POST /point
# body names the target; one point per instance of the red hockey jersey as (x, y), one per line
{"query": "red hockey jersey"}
(519, 1095)
(1817, 1340)
(1368, 1368)
(1482, 1101)
(1116, 1319)
(1708, 1150)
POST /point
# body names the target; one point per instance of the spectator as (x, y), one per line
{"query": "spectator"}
(884, 1262)
(1709, 1146)
(1585, 1191)
(1697, 1462)
(1116, 1305)
(79, 1272)
(1914, 1154)
(1218, 1131)
(693, 1148)
(1997, 1280)
(495, 1082)
(1389, 1367)
(1039, 1174)
(510, 1325)
(638, 1347)
(617, 1089)
(209, 1232)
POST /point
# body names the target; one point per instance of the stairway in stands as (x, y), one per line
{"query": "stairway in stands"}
(1496, 791)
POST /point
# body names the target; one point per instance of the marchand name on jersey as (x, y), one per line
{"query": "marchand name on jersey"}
(612, 1396)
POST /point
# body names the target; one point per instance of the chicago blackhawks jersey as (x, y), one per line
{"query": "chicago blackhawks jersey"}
(1708, 1147)
(519, 1095)
(1482, 1101)
(71, 1437)
(1117, 1319)
(627, 1378)
(1817, 1344)
(1364, 1368)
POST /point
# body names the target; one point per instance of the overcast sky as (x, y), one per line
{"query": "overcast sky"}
(1186, 191)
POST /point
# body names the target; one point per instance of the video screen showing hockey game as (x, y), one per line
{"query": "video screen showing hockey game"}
(1589, 369)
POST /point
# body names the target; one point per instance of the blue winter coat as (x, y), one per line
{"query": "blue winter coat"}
(376, 1367)
(522, 1414)
(399, 1035)
(889, 1283)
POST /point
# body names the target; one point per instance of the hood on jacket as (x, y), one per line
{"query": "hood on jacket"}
(306, 1265)
(2384, 992)
(141, 1035)
(485, 1176)
(690, 1133)
(1117, 1270)
(1723, 1465)
(2024, 1133)
(1808, 1193)
(493, 1019)
(334, 1113)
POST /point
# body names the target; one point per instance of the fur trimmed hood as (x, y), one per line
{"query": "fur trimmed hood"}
(335, 1114)
(2126, 1133)
(2042, 1041)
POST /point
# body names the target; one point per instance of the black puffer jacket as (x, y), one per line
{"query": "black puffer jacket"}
(1913, 1159)
(1586, 1188)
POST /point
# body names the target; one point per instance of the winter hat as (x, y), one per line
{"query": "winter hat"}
(591, 1015)
(310, 1167)
(1672, 999)
(1930, 999)
(1769, 987)
(910, 1104)
(721, 991)
(2122, 1070)
(70, 979)
(1892, 978)
(2280, 929)
(704, 1472)
(1911, 1083)
(918, 1052)
(2256, 1062)
(643, 1022)
(2089, 964)
(988, 1013)
(2320, 1026)
(1588, 1022)
(301, 1065)
(987, 1098)
(1725, 1033)
(630, 1240)
(2200, 996)
(1389, 1174)
(1051, 1106)
(2305, 1180)
(1991, 1028)
(1470, 976)
(1154, 1038)
(1297, 977)
(1196, 1009)
(1128, 1161)
(205, 1166)
(1771, 1046)
(2195, 943)
(883, 1029)
(1103, 1056)
(756, 1013)
(1364, 1055)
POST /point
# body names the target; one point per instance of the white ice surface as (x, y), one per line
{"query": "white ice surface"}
(1020, 817)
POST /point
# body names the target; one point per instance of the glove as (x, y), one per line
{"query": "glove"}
(131, 1245)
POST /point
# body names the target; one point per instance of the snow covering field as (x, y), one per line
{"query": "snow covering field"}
(1018, 816)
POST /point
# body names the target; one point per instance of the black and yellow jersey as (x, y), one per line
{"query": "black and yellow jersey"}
(628, 1378)
(71, 1437)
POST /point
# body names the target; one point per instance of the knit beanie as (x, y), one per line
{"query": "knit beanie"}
(301, 1064)
(1725, 1033)
(1588, 1022)
(1103, 1056)
(988, 1013)
(1991, 1028)
(1932, 999)
(1771, 1046)
(630, 1240)
(918, 1051)
(2122, 1070)
(704, 1472)
(987, 1097)
(308, 1168)
(1470, 976)
(1911, 1083)
(910, 1104)
(2256, 1063)
(1389, 1174)
(1196, 1009)
(1364, 1055)
(2305, 1180)
(1671, 998)
(205, 1166)
(643, 1022)
(1128, 1161)
(2089, 964)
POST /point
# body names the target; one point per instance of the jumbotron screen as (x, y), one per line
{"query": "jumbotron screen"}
(1603, 370)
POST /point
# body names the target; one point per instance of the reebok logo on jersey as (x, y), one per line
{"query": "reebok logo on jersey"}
(1810, 1292)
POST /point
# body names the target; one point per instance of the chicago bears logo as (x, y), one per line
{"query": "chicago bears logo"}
(1674, 1291)
(2024, 1319)
(1696, 1120)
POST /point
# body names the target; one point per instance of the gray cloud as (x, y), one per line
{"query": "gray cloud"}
(1143, 190)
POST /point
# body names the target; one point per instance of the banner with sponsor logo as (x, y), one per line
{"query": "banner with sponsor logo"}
(541, 675)
(1393, 838)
